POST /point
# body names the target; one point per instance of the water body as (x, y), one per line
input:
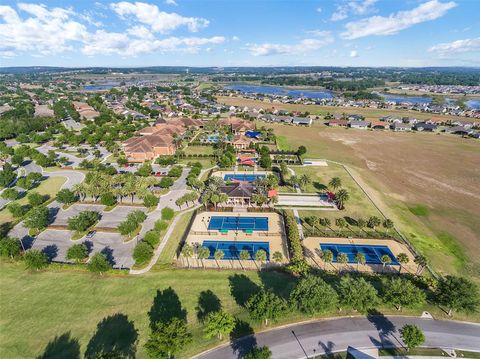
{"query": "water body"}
(107, 86)
(281, 91)
(474, 104)
(415, 100)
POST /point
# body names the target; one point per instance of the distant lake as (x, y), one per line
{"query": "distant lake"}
(101, 87)
(416, 100)
(475, 104)
(281, 91)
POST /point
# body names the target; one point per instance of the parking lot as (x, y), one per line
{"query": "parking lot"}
(109, 219)
(55, 243)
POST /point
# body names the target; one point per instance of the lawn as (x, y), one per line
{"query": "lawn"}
(417, 180)
(49, 187)
(37, 307)
(358, 206)
(198, 150)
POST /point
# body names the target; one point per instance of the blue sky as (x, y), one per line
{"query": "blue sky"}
(240, 33)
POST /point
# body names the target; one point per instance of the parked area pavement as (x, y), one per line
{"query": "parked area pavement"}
(336, 335)
(56, 241)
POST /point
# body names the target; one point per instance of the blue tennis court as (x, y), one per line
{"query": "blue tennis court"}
(237, 223)
(243, 177)
(372, 253)
(232, 248)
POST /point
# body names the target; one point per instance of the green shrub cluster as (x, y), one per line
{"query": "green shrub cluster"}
(296, 251)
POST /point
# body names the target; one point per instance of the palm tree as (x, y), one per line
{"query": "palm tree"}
(341, 197)
(340, 222)
(314, 222)
(218, 255)
(335, 183)
(360, 258)
(387, 224)
(80, 190)
(402, 259)
(294, 181)
(421, 262)
(373, 222)
(342, 258)
(203, 253)
(261, 256)
(327, 257)
(385, 259)
(244, 255)
(360, 224)
(187, 252)
(304, 180)
(277, 257)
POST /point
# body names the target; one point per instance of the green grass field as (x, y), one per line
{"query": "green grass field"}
(48, 187)
(37, 307)
(358, 206)
(199, 150)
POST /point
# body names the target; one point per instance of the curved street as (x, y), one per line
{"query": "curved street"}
(305, 340)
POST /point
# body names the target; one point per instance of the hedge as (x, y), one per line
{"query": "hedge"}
(296, 250)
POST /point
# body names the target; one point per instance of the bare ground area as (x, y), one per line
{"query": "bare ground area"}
(429, 184)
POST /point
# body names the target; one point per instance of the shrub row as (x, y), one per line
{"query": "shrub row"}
(296, 251)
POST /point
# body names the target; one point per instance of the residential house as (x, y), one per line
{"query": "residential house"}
(85, 110)
(436, 121)
(338, 123)
(391, 119)
(238, 125)
(302, 121)
(401, 127)
(379, 125)
(359, 124)
(241, 142)
(423, 126)
(459, 130)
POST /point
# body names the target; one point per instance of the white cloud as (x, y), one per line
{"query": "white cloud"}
(358, 7)
(380, 25)
(171, 2)
(319, 9)
(103, 42)
(159, 21)
(362, 7)
(141, 32)
(353, 53)
(44, 31)
(339, 14)
(306, 45)
(235, 38)
(458, 46)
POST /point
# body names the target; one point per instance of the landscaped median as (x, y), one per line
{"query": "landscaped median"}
(144, 250)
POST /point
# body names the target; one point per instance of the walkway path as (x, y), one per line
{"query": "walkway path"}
(178, 189)
(163, 243)
(306, 340)
(295, 211)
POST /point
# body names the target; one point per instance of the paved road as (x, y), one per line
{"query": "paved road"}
(73, 177)
(326, 336)
(178, 189)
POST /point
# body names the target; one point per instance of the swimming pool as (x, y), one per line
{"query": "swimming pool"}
(237, 223)
(244, 177)
(372, 253)
(232, 249)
